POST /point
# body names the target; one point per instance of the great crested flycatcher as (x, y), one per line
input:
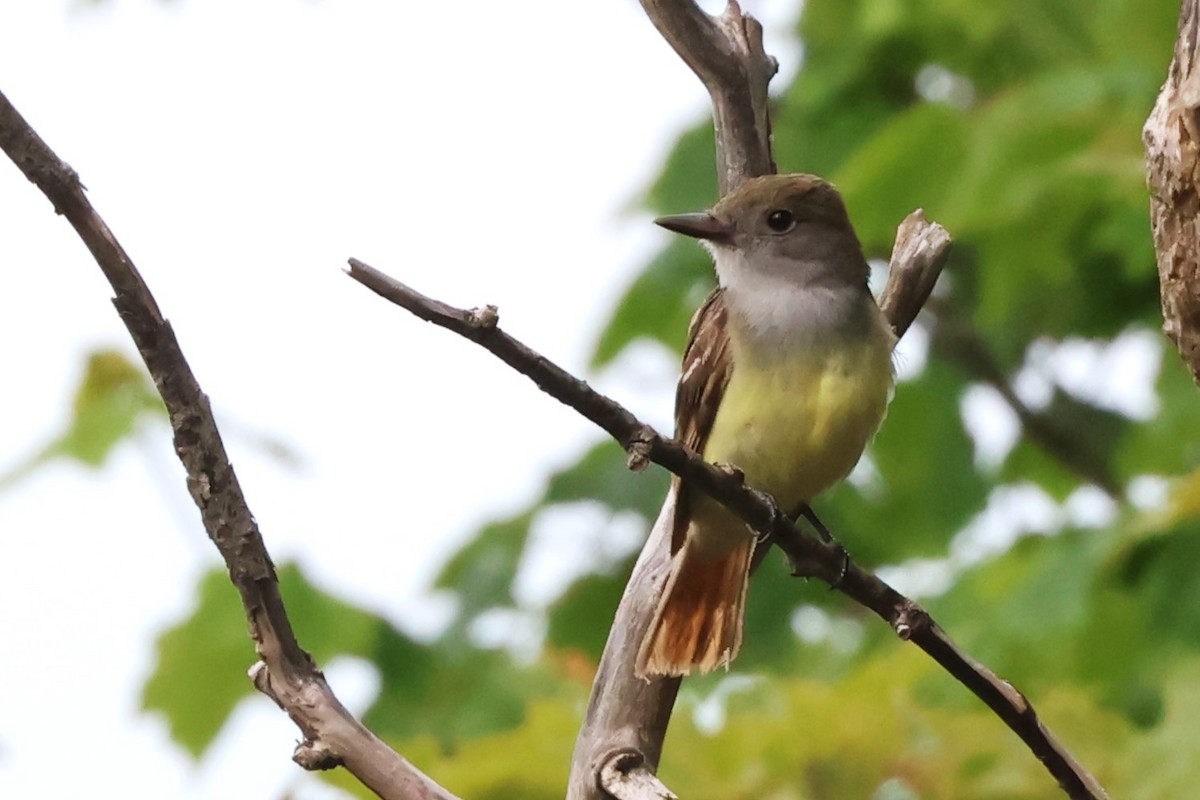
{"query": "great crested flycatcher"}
(786, 375)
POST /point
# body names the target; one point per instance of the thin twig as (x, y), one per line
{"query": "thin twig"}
(807, 554)
(332, 736)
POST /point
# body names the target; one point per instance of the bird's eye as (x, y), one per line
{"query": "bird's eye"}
(780, 220)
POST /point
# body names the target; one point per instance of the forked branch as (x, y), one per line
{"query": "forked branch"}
(726, 53)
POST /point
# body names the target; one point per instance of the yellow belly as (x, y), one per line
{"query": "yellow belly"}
(800, 427)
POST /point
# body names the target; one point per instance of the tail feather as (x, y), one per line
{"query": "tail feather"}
(698, 621)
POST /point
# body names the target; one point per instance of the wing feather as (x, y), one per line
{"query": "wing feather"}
(707, 366)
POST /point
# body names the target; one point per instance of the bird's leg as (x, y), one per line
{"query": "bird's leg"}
(805, 510)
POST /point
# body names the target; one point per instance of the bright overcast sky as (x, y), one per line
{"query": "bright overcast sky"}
(483, 152)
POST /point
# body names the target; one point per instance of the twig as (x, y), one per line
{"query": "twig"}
(1172, 139)
(806, 553)
(287, 674)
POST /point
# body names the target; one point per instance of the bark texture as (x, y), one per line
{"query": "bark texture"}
(1172, 139)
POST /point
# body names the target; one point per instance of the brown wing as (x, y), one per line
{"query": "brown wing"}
(707, 365)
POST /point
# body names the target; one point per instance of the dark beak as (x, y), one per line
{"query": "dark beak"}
(698, 226)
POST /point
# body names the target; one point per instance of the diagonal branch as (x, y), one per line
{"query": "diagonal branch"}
(287, 674)
(807, 554)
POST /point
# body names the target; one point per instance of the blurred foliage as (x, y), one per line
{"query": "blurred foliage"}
(447, 690)
(883, 731)
(114, 395)
(1017, 126)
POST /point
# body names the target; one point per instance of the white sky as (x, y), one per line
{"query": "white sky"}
(482, 152)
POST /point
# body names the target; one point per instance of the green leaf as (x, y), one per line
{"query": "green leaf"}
(482, 572)
(448, 692)
(879, 180)
(443, 690)
(688, 181)
(1089, 608)
(1152, 766)
(529, 761)
(197, 701)
(603, 474)
(1161, 570)
(577, 619)
(113, 396)
(874, 730)
(1023, 614)
(770, 644)
(1030, 462)
(200, 673)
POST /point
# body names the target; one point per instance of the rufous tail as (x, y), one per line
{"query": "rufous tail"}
(698, 621)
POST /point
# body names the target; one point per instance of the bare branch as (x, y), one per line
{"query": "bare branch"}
(287, 673)
(726, 53)
(807, 554)
(918, 256)
(625, 712)
(1172, 139)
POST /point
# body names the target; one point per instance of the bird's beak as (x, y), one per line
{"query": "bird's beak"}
(698, 226)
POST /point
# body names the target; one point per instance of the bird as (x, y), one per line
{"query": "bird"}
(786, 375)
